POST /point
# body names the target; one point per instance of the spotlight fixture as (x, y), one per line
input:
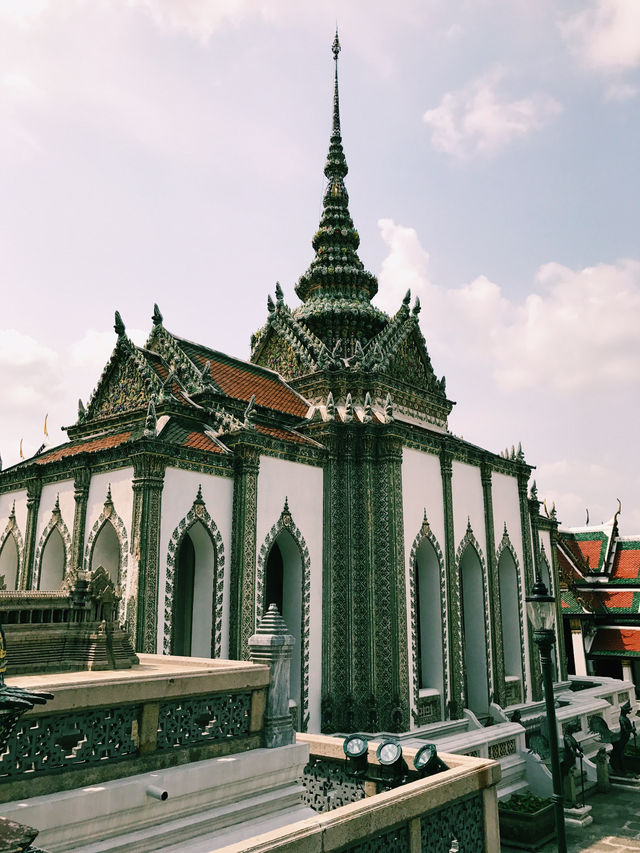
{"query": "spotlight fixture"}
(389, 752)
(393, 767)
(356, 750)
(426, 760)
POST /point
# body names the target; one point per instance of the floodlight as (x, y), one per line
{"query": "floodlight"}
(426, 760)
(356, 750)
(389, 752)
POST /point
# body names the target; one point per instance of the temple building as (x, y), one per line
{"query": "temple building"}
(600, 580)
(321, 476)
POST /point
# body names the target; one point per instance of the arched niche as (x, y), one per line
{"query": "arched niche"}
(427, 590)
(106, 552)
(193, 593)
(108, 546)
(9, 562)
(283, 578)
(53, 561)
(510, 599)
(474, 627)
(194, 586)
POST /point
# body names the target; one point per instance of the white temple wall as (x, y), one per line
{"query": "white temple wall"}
(121, 494)
(506, 510)
(302, 486)
(468, 503)
(421, 489)
(64, 491)
(179, 493)
(6, 503)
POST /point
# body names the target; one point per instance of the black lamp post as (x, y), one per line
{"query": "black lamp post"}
(540, 610)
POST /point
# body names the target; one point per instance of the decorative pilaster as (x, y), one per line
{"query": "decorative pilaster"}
(456, 696)
(389, 625)
(495, 605)
(148, 481)
(525, 524)
(34, 490)
(553, 536)
(243, 550)
(81, 495)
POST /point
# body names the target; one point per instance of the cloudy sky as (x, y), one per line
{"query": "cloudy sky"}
(171, 151)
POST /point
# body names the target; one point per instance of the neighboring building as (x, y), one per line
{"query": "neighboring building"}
(320, 476)
(600, 580)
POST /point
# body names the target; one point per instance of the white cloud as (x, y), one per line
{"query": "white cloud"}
(618, 91)
(478, 120)
(606, 35)
(38, 380)
(577, 328)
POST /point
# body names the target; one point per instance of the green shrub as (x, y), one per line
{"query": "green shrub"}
(526, 803)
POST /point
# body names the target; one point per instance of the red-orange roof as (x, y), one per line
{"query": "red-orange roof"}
(242, 380)
(284, 434)
(90, 446)
(616, 599)
(616, 640)
(626, 563)
(200, 441)
(591, 550)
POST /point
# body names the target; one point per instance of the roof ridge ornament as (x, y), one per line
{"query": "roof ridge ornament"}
(336, 272)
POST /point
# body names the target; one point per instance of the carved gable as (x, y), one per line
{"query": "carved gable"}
(122, 390)
(411, 364)
(278, 355)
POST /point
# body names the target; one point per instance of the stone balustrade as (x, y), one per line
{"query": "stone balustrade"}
(459, 804)
(107, 725)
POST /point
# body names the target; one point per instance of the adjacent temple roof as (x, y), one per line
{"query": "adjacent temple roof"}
(600, 572)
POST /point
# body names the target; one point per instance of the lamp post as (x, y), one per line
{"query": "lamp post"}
(540, 610)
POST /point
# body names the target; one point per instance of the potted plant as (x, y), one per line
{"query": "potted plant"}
(526, 821)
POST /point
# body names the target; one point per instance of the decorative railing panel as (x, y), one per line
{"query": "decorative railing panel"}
(393, 841)
(461, 821)
(186, 722)
(56, 741)
(327, 786)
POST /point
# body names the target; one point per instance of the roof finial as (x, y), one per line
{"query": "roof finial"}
(335, 49)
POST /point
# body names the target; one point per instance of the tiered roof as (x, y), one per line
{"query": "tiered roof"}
(336, 340)
(183, 395)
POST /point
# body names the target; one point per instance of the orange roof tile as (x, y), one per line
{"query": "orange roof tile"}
(92, 445)
(200, 441)
(242, 380)
(591, 550)
(284, 434)
(616, 640)
(626, 563)
(616, 599)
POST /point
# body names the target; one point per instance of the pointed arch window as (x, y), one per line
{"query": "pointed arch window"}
(53, 561)
(9, 562)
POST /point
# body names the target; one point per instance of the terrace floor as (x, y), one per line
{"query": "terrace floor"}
(615, 827)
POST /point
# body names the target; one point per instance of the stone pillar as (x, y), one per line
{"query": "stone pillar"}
(495, 605)
(525, 525)
(454, 616)
(34, 490)
(273, 644)
(627, 672)
(243, 550)
(389, 652)
(148, 481)
(81, 495)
